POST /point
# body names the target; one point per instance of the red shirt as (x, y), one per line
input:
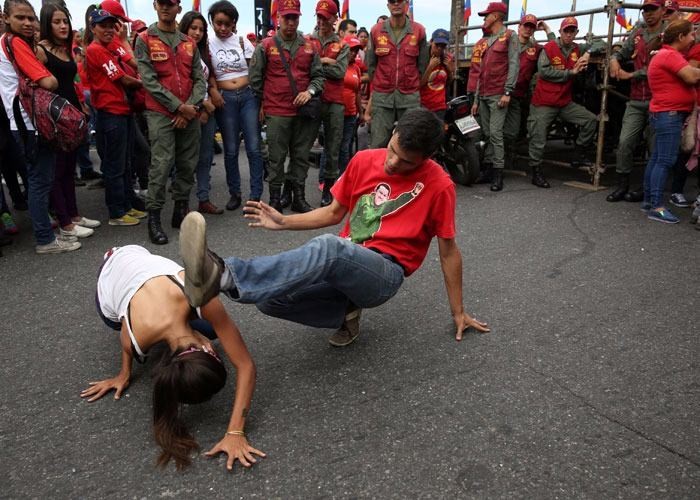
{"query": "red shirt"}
(351, 86)
(433, 95)
(27, 61)
(396, 214)
(694, 55)
(107, 94)
(668, 91)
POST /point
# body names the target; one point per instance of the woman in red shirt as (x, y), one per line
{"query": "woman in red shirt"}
(671, 79)
(351, 99)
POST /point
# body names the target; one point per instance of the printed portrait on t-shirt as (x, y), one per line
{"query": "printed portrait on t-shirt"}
(366, 217)
(229, 61)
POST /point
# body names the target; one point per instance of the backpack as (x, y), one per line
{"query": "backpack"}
(58, 122)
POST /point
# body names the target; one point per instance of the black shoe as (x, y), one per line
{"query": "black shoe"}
(155, 230)
(485, 175)
(497, 182)
(326, 196)
(635, 196)
(179, 212)
(538, 179)
(299, 203)
(623, 186)
(275, 193)
(234, 202)
(89, 175)
(286, 196)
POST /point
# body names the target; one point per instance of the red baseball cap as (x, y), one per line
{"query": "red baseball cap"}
(116, 9)
(656, 3)
(567, 22)
(289, 7)
(671, 5)
(529, 19)
(327, 9)
(495, 7)
(352, 41)
(137, 25)
(251, 37)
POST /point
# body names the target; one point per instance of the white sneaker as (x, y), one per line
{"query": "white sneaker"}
(78, 232)
(85, 222)
(67, 237)
(58, 246)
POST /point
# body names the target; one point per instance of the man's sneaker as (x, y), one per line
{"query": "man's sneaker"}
(679, 200)
(203, 268)
(85, 222)
(662, 214)
(136, 214)
(124, 220)
(58, 246)
(9, 223)
(349, 331)
(77, 231)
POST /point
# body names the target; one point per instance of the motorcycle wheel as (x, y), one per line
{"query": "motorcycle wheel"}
(465, 165)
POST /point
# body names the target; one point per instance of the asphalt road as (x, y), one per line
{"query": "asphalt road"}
(587, 387)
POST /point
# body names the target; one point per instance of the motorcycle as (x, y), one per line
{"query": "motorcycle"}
(458, 153)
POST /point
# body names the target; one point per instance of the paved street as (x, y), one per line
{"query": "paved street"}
(587, 386)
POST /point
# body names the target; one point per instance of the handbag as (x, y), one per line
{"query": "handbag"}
(312, 109)
(58, 122)
(689, 132)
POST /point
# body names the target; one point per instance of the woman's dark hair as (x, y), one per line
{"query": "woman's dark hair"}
(46, 32)
(223, 7)
(88, 36)
(420, 131)
(203, 44)
(676, 29)
(189, 378)
(7, 7)
(362, 30)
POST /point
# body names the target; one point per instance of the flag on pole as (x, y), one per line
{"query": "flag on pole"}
(345, 11)
(523, 9)
(197, 5)
(410, 9)
(622, 19)
(467, 11)
(273, 13)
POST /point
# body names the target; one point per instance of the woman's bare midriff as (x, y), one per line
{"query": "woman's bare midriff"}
(235, 84)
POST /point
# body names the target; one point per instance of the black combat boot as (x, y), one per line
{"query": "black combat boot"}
(155, 230)
(286, 196)
(485, 175)
(179, 211)
(275, 193)
(326, 196)
(623, 186)
(497, 181)
(538, 178)
(635, 196)
(299, 203)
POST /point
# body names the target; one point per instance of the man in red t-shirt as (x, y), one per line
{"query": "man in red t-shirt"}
(398, 200)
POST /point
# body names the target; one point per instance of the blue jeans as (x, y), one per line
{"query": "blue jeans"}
(314, 284)
(206, 156)
(667, 126)
(240, 113)
(346, 142)
(41, 165)
(116, 135)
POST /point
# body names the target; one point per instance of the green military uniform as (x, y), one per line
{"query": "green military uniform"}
(170, 146)
(493, 117)
(541, 117)
(287, 134)
(636, 116)
(389, 108)
(332, 113)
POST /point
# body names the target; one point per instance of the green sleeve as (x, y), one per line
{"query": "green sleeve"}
(370, 59)
(317, 77)
(256, 71)
(149, 78)
(337, 71)
(596, 46)
(625, 53)
(551, 36)
(640, 74)
(513, 63)
(199, 87)
(546, 72)
(423, 56)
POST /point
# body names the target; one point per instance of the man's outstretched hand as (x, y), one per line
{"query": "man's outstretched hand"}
(464, 321)
(263, 215)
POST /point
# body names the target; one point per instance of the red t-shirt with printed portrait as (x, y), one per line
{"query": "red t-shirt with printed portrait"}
(105, 70)
(396, 214)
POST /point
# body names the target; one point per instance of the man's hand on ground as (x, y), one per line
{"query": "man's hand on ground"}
(464, 321)
(263, 215)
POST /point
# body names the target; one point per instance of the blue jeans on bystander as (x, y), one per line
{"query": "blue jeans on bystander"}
(116, 135)
(667, 127)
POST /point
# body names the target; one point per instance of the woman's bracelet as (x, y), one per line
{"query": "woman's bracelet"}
(235, 433)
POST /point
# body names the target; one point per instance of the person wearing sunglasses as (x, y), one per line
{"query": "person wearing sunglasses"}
(141, 296)
(397, 57)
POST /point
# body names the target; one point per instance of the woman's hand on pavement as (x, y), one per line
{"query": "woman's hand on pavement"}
(237, 448)
(99, 389)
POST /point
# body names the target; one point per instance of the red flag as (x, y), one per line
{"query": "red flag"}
(273, 13)
(197, 5)
(345, 11)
